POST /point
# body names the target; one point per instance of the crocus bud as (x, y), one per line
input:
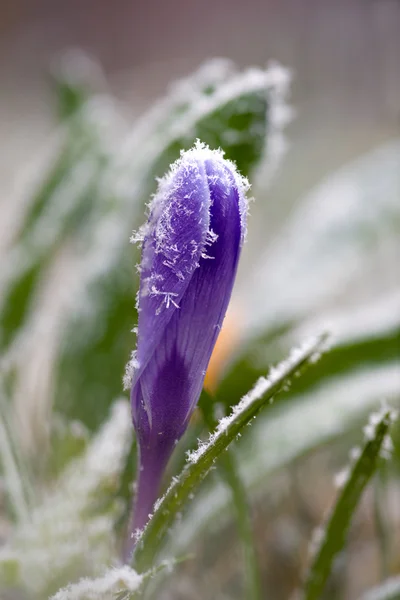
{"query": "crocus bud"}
(191, 246)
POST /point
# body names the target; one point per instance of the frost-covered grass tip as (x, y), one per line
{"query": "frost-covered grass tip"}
(190, 251)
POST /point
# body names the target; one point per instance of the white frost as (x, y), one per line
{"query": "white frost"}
(374, 420)
(260, 389)
(123, 579)
(130, 368)
(64, 526)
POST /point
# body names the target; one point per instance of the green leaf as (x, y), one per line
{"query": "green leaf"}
(201, 461)
(19, 281)
(334, 535)
(289, 430)
(365, 336)
(84, 393)
(57, 209)
(239, 127)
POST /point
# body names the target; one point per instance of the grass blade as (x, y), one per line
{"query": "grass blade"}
(289, 430)
(201, 461)
(334, 537)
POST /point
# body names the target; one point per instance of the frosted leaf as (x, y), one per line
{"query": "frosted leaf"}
(158, 503)
(262, 385)
(63, 526)
(355, 453)
(123, 579)
(137, 534)
(387, 447)
(374, 419)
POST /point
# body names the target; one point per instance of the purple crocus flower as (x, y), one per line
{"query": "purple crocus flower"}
(191, 246)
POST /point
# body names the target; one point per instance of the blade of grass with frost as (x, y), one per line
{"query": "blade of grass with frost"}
(332, 538)
(28, 259)
(200, 461)
(181, 95)
(103, 251)
(287, 432)
(70, 529)
(59, 207)
(75, 139)
(388, 590)
(365, 336)
(119, 583)
(224, 96)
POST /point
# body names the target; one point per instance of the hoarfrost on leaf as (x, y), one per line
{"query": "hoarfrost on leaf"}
(63, 526)
(374, 419)
(261, 387)
(114, 581)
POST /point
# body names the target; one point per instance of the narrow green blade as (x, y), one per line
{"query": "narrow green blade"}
(338, 524)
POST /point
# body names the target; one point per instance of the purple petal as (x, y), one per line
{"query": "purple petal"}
(190, 255)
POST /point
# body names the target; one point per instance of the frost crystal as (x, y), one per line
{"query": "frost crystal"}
(130, 368)
(113, 581)
(261, 387)
(374, 420)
